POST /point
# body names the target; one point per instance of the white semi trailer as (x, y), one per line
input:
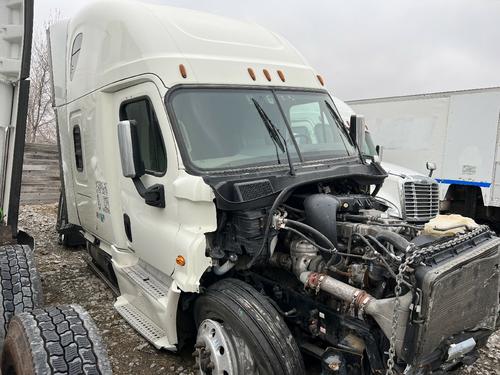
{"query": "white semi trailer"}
(459, 131)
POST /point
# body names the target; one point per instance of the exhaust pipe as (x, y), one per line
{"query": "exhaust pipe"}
(381, 310)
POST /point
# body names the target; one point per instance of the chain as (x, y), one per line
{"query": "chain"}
(413, 255)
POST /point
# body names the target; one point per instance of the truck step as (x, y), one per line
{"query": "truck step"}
(145, 281)
(145, 326)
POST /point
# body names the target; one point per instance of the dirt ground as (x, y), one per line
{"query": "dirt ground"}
(67, 279)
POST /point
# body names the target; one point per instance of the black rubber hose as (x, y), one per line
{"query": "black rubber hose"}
(308, 228)
(334, 252)
(310, 240)
(399, 242)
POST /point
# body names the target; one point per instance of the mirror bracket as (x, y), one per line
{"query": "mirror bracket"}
(153, 195)
(431, 167)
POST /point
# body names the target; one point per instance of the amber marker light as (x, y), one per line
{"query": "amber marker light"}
(252, 74)
(267, 74)
(321, 80)
(180, 261)
(281, 75)
(183, 71)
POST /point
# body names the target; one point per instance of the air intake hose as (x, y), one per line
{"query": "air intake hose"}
(321, 214)
(399, 242)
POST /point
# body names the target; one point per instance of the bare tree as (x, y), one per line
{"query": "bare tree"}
(41, 125)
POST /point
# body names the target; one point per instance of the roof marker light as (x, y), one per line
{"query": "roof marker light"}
(281, 75)
(321, 80)
(252, 74)
(183, 71)
(267, 74)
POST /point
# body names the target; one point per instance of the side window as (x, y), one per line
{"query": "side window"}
(151, 144)
(75, 53)
(77, 142)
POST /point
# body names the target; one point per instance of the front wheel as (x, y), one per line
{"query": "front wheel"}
(240, 332)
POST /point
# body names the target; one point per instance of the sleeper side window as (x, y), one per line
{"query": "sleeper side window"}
(152, 148)
(77, 142)
(75, 53)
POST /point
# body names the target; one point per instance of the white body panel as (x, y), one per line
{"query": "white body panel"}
(456, 130)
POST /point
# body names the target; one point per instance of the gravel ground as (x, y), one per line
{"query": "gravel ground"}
(66, 278)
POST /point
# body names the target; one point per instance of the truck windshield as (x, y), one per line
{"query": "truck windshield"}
(225, 128)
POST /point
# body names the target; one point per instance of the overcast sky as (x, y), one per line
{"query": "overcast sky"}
(370, 48)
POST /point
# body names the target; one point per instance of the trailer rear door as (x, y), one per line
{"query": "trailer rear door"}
(16, 26)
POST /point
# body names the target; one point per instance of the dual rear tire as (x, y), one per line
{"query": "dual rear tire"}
(42, 341)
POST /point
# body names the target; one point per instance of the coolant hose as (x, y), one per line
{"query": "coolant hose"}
(399, 242)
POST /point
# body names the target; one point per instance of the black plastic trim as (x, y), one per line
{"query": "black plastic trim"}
(17, 162)
(22, 115)
(27, 39)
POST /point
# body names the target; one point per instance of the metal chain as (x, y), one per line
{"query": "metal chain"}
(414, 254)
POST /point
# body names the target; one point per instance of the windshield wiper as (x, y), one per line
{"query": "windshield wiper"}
(274, 133)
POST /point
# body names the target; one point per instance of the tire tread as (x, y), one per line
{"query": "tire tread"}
(64, 340)
(21, 288)
(263, 322)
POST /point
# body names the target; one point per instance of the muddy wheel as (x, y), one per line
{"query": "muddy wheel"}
(240, 332)
(21, 289)
(54, 340)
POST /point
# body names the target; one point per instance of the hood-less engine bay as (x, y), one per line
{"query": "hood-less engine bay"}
(351, 277)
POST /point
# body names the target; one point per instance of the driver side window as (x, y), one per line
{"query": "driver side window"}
(152, 148)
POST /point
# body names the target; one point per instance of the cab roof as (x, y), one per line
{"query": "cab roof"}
(121, 39)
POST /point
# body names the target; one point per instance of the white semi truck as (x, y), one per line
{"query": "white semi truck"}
(458, 131)
(411, 196)
(216, 220)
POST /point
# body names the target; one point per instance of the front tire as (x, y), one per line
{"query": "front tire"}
(255, 339)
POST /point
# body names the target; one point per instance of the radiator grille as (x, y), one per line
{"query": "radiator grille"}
(459, 295)
(420, 200)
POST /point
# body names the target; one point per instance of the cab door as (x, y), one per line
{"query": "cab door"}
(150, 230)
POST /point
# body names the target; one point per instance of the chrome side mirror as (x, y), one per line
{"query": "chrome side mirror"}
(128, 141)
(431, 167)
(357, 130)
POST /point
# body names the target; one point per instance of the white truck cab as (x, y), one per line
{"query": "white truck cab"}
(215, 218)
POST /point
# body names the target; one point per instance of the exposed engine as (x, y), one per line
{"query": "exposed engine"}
(366, 288)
